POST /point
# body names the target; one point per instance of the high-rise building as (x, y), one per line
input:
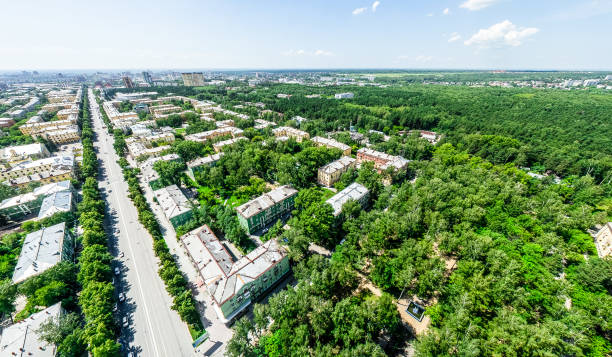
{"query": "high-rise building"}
(193, 79)
(147, 77)
(127, 81)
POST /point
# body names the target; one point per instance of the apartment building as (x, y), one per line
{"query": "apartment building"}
(233, 285)
(331, 173)
(332, 144)
(36, 128)
(197, 164)
(65, 162)
(69, 134)
(286, 132)
(56, 202)
(355, 191)
(16, 154)
(219, 146)
(43, 250)
(19, 207)
(193, 79)
(267, 208)
(175, 205)
(381, 160)
(68, 113)
(6, 122)
(22, 339)
(148, 172)
(215, 133)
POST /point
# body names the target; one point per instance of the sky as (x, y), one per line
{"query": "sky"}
(306, 34)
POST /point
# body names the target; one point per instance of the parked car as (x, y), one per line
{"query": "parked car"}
(117, 271)
(121, 297)
(121, 255)
(125, 321)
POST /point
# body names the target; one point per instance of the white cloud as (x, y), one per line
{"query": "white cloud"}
(474, 5)
(301, 52)
(359, 10)
(323, 53)
(423, 58)
(429, 15)
(454, 37)
(446, 11)
(375, 5)
(504, 33)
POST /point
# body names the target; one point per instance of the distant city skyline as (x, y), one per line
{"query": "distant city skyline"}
(343, 34)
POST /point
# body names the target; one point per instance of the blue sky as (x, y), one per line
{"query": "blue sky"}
(230, 34)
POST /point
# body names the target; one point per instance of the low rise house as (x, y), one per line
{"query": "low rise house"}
(332, 144)
(21, 338)
(57, 202)
(233, 285)
(355, 191)
(18, 207)
(331, 173)
(42, 250)
(175, 205)
(267, 208)
(286, 132)
(603, 241)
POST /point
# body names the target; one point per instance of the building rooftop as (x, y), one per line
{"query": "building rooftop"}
(354, 191)
(330, 143)
(204, 160)
(172, 200)
(21, 339)
(224, 277)
(57, 202)
(266, 201)
(12, 152)
(41, 250)
(66, 161)
(148, 172)
(336, 165)
(39, 191)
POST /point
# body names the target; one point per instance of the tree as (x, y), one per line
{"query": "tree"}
(56, 329)
(8, 292)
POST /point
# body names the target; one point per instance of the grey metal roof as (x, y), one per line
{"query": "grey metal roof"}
(21, 339)
(54, 203)
(41, 250)
(266, 201)
(354, 191)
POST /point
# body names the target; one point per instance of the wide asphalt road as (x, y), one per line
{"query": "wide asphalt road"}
(154, 329)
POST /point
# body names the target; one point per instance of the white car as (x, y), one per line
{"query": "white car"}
(126, 323)
(117, 271)
(121, 255)
(121, 297)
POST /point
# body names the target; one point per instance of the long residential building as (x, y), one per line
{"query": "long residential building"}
(148, 172)
(332, 144)
(267, 208)
(233, 285)
(331, 173)
(175, 205)
(19, 207)
(355, 191)
(286, 132)
(57, 202)
(21, 338)
(195, 165)
(219, 146)
(38, 166)
(381, 160)
(215, 133)
(43, 250)
(16, 154)
(37, 128)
